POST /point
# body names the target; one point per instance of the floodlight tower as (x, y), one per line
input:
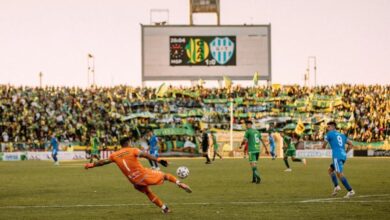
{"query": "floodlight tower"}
(205, 6)
(40, 79)
(91, 69)
(159, 16)
(314, 59)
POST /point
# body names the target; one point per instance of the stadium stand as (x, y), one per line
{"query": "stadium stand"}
(29, 115)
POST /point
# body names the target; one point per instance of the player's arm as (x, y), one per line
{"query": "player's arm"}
(153, 158)
(325, 142)
(285, 145)
(324, 145)
(265, 146)
(350, 145)
(245, 141)
(98, 163)
(211, 141)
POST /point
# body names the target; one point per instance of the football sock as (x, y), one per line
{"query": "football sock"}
(164, 207)
(334, 179)
(345, 183)
(255, 173)
(55, 158)
(297, 160)
(151, 163)
(153, 198)
(286, 162)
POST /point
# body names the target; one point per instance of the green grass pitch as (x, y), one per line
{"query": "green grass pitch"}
(222, 190)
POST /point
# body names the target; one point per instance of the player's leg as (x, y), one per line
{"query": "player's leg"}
(151, 163)
(257, 173)
(152, 197)
(285, 159)
(91, 158)
(171, 178)
(251, 164)
(155, 162)
(339, 166)
(253, 158)
(294, 159)
(216, 154)
(54, 155)
(246, 151)
(156, 165)
(332, 174)
(293, 154)
(273, 152)
(206, 155)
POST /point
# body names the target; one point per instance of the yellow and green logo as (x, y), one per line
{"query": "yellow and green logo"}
(197, 50)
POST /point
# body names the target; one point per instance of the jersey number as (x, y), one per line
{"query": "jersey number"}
(257, 138)
(340, 140)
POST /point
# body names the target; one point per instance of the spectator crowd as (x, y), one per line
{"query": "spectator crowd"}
(31, 115)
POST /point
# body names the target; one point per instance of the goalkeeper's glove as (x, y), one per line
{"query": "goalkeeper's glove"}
(163, 162)
(89, 165)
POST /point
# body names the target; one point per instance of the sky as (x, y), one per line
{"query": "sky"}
(350, 38)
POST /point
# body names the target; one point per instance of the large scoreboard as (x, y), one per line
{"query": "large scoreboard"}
(181, 52)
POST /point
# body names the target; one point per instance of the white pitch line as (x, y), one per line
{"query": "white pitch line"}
(333, 199)
(327, 200)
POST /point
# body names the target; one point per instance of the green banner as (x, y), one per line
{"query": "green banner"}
(215, 101)
(139, 115)
(191, 113)
(372, 144)
(174, 131)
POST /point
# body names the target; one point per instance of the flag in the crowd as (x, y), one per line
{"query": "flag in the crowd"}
(256, 78)
(227, 81)
(276, 86)
(202, 125)
(109, 95)
(201, 82)
(139, 96)
(161, 90)
(300, 128)
(79, 105)
(352, 118)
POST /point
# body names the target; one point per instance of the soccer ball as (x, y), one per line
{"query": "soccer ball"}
(182, 172)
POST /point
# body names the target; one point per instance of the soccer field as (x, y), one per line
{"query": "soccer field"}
(39, 190)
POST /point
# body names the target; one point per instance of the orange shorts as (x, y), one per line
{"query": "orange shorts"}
(151, 177)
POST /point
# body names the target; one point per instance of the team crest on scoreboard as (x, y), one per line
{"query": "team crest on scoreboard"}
(222, 49)
(197, 50)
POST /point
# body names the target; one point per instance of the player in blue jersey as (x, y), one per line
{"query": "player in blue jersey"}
(271, 145)
(54, 147)
(337, 142)
(153, 150)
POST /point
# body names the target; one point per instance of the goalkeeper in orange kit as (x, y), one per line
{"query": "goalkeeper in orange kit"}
(127, 161)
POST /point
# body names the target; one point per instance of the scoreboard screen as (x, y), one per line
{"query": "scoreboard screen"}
(202, 50)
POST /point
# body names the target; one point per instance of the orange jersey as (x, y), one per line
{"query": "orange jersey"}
(127, 161)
